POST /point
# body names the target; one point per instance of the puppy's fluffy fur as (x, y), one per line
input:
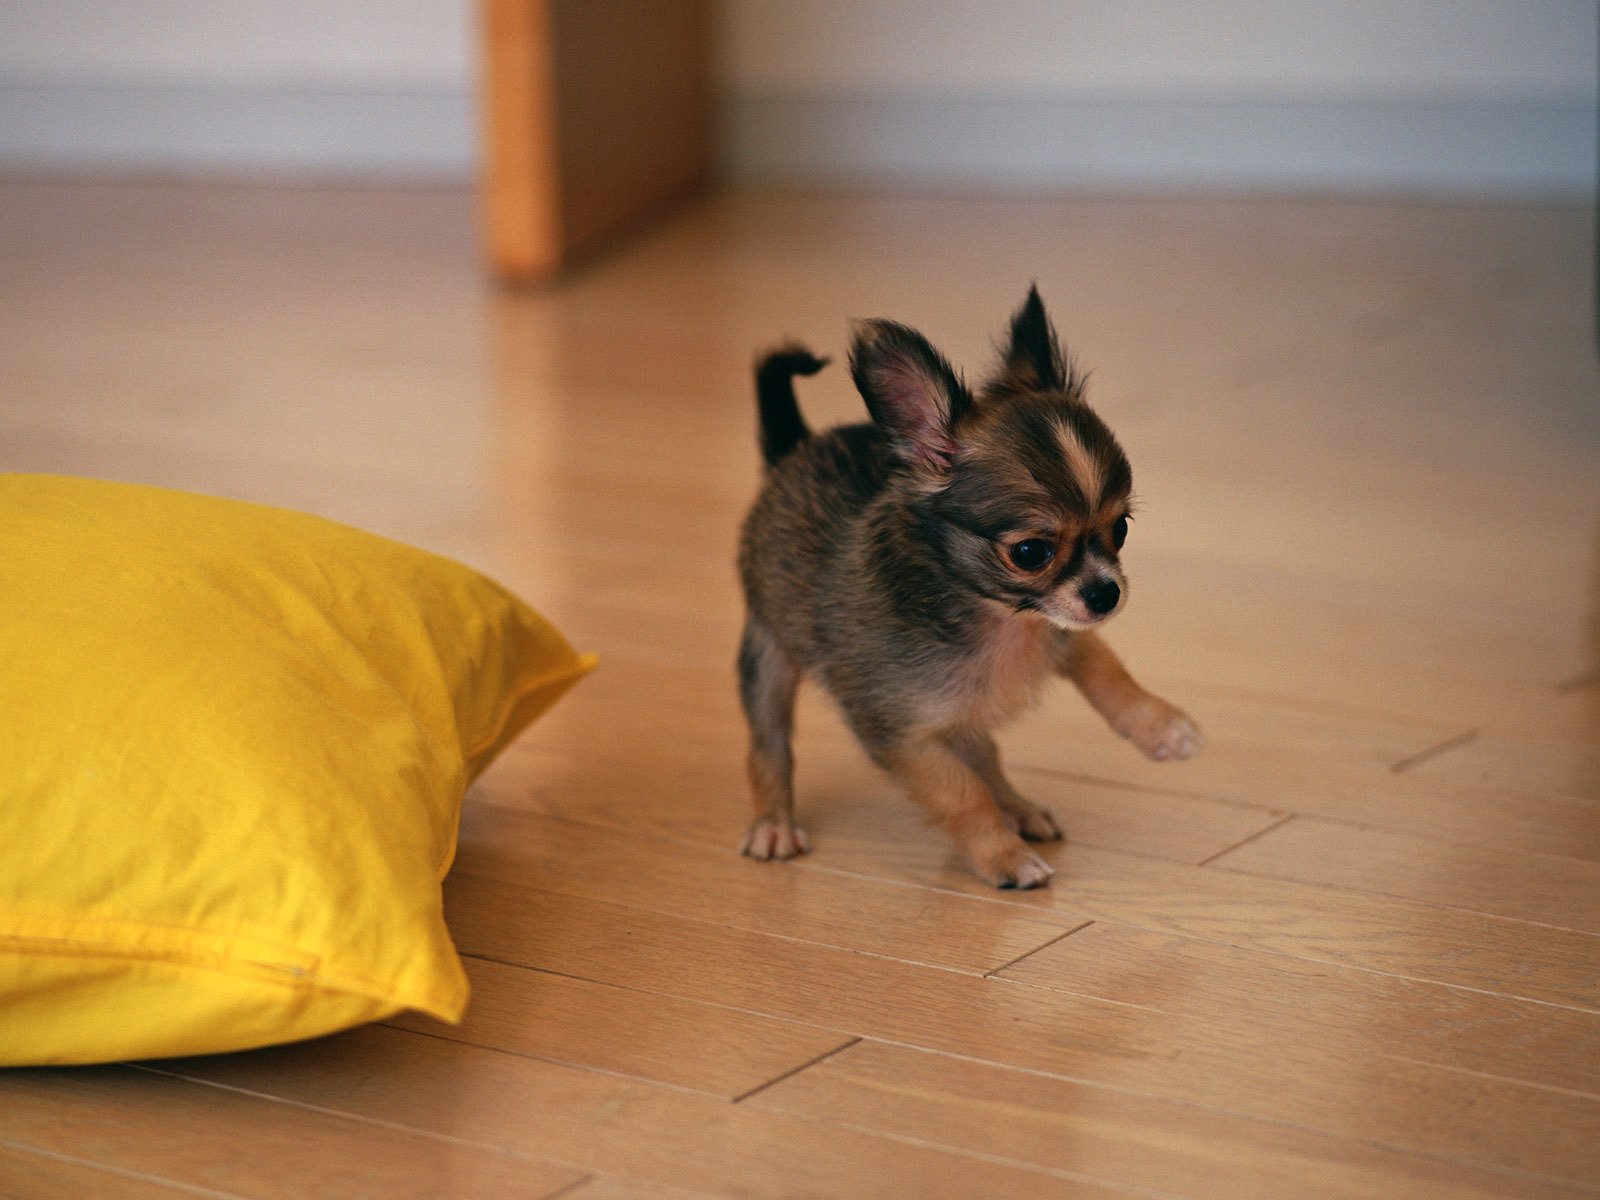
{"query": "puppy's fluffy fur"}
(931, 569)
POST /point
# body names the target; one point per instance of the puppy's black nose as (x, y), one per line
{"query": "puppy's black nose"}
(1101, 596)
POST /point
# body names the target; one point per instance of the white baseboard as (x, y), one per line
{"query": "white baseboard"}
(1470, 147)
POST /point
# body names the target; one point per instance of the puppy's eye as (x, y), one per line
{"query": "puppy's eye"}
(1119, 532)
(1033, 555)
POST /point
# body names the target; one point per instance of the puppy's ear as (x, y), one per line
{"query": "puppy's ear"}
(1033, 358)
(912, 393)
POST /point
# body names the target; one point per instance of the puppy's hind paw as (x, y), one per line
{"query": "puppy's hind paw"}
(771, 838)
(1162, 731)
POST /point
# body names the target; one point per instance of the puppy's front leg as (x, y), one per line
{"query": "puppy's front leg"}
(1163, 731)
(1033, 821)
(957, 799)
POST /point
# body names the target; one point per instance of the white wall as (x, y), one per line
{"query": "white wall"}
(392, 43)
(341, 87)
(1193, 48)
(1413, 94)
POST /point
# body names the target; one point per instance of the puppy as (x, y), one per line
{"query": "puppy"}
(931, 569)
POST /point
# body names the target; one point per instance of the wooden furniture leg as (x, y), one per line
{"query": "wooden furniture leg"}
(596, 114)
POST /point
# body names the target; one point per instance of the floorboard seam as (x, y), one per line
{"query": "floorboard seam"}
(790, 1074)
(1066, 933)
(1260, 833)
(1432, 752)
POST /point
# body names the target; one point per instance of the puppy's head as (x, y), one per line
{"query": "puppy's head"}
(1021, 491)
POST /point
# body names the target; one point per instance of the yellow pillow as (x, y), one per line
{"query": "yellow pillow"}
(233, 746)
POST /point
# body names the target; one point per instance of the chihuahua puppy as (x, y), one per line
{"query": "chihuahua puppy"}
(931, 569)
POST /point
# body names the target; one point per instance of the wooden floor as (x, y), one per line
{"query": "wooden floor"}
(1353, 950)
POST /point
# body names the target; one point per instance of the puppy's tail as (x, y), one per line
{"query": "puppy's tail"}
(782, 426)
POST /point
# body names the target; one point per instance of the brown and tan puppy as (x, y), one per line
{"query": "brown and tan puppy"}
(931, 569)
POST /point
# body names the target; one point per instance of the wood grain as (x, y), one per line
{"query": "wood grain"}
(627, 1032)
(1117, 1136)
(153, 1126)
(1349, 928)
(1327, 762)
(1448, 1026)
(961, 933)
(28, 1175)
(1557, 759)
(624, 1129)
(1312, 1083)
(1512, 883)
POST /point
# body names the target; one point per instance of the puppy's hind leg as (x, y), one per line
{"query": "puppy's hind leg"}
(768, 679)
(1033, 821)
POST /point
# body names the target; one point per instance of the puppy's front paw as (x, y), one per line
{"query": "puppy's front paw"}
(1161, 730)
(1014, 866)
(771, 838)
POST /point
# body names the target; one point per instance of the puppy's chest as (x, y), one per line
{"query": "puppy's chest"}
(1002, 677)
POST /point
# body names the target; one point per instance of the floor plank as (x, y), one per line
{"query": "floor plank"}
(971, 934)
(1448, 1026)
(1117, 1136)
(627, 1130)
(1310, 921)
(151, 1125)
(1546, 763)
(618, 1029)
(1548, 888)
(28, 1175)
(1330, 762)
(1316, 1084)
(1269, 632)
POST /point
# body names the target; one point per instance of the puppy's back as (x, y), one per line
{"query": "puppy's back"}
(801, 529)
